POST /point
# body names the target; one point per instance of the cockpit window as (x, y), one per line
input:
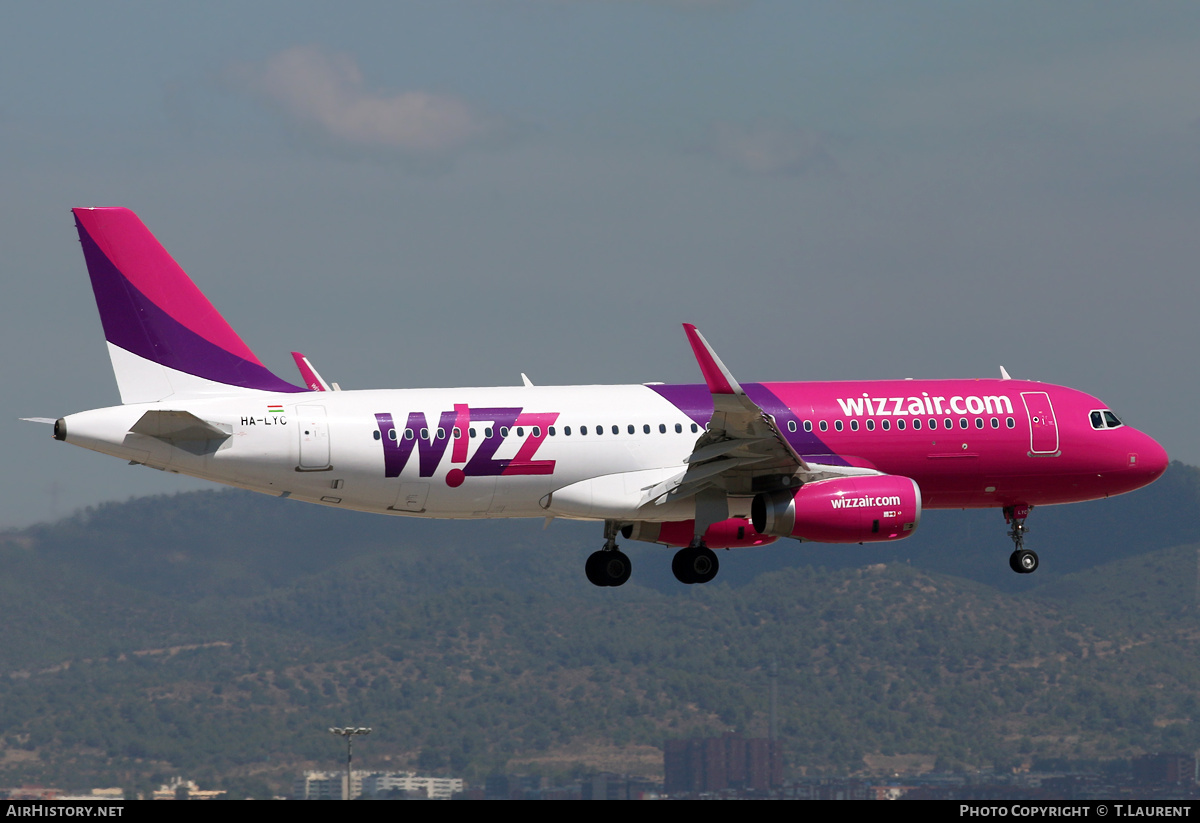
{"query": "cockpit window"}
(1104, 419)
(1097, 420)
(1112, 419)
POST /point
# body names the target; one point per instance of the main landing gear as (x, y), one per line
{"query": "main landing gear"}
(695, 564)
(609, 566)
(1022, 560)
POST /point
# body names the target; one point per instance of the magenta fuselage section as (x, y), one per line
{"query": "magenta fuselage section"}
(967, 443)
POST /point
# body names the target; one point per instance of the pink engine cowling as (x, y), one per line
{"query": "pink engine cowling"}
(863, 509)
(734, 533)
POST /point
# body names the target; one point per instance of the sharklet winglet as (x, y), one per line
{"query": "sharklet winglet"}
(308, 372)
(719, 379)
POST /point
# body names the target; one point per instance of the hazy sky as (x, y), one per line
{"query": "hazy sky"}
(451, 193)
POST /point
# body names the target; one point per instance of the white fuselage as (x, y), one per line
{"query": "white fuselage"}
(396, 452)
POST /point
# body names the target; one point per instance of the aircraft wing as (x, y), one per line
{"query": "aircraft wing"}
(741, 442)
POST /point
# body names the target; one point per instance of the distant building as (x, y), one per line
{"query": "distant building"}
(715, 764)
(332, 785)
(180, 789)
(1165, 770)
(432, 788)
(614, 787)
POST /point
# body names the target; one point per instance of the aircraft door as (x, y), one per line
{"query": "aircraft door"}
(1043, 430)
(313, 429)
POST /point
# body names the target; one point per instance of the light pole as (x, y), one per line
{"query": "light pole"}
(349, 733)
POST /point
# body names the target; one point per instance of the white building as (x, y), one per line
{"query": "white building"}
(332, 785)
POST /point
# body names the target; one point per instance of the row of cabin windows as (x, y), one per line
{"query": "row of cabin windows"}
(901, 424)
(536, 431)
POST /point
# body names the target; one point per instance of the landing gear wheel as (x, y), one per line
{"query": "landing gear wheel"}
(695, 564)
(681, 568)
(1023, 561)
(608, 568)
(616, 568)
(592, 568)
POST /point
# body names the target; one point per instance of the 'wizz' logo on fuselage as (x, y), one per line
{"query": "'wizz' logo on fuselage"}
(454, 427)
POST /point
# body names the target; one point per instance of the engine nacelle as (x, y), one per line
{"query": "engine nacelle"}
(734, 533)
(866, 509)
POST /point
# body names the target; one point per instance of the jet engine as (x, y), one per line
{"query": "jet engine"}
(734, 533)
(861, 509)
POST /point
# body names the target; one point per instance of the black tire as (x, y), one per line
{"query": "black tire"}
(1028, 561)
(681, 566)
(593, 568)
(1013, 564)
(704, 565)
(615, 568)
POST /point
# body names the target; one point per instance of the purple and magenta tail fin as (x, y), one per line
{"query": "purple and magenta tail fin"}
(164, 337)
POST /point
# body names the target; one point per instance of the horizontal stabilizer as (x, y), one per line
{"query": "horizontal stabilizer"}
(177, 426)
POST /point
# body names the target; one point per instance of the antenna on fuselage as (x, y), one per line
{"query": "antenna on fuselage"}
(1004, 375)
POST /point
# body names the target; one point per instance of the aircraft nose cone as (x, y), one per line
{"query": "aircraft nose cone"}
(1148, 459)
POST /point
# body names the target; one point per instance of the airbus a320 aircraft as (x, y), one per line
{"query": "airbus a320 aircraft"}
(698, 467)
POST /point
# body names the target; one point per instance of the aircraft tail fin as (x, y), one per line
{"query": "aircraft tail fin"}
(164, 337)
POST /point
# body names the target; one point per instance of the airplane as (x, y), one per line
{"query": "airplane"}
(713, 465)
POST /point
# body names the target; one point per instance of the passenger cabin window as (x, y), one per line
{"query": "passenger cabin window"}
(791, 425)
(679, 428)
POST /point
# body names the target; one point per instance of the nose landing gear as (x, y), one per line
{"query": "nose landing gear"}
(1022, 560)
